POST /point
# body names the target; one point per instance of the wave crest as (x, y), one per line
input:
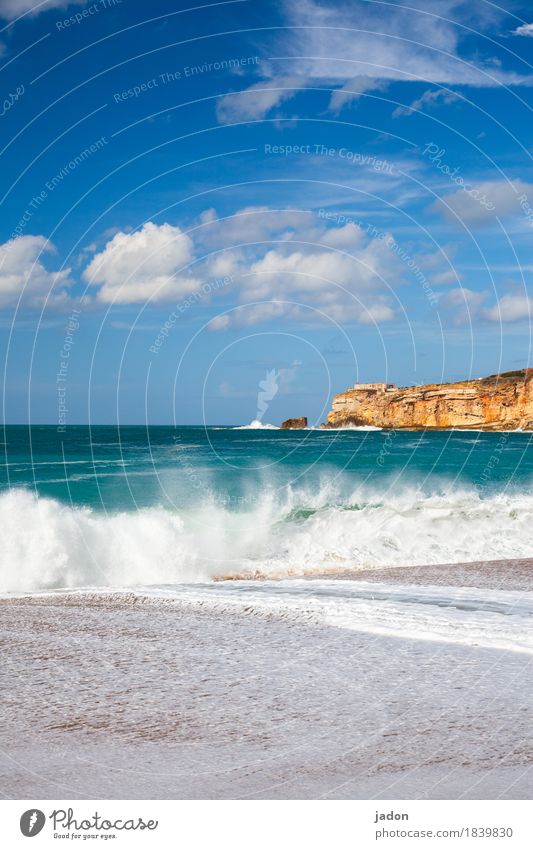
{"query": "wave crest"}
(49, 545)
(256, 424)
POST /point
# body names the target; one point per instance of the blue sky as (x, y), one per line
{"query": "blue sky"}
(202, 203)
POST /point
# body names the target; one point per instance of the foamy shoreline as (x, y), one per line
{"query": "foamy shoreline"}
(124, 696)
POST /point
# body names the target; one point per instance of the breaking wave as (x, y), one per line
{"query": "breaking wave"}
(257, 425)
(45, 544)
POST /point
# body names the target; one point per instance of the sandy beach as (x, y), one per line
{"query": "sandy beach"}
(124, 696)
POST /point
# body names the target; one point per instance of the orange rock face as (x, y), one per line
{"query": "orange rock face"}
(499, 402)
(294, 424)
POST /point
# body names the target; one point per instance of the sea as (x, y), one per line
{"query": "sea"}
(314, 577)
(106, 506)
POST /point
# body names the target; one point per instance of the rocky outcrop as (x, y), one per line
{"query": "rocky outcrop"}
(499, 402)
(294, 424)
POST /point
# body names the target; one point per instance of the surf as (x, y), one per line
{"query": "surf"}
(275, 532)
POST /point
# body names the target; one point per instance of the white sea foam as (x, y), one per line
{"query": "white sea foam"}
(496, 619)
(45, 544)
(257, 425)
(481, 617)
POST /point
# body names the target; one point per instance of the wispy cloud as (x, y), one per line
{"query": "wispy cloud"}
(11, 9)
(352, 90)
(258, 100)
(430, 98)
(406, 43)
(353, 47)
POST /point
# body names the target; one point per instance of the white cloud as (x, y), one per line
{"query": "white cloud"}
(223, 264)
(357, 46)
(257, 101)
(338, 271)
(465, 303)
(469, 306)
(255, 224)
(480, 203)
(146, 265)
(445, 277)
(429, 98)
(315, 272)
(22, 274)
(346, 237)
(282, 264)
(525, 29)
(287, 263)
(352, 90)
(510, 308)
(10, 9)
(346, 40)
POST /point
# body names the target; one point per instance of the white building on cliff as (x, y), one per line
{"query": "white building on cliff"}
(374, 387)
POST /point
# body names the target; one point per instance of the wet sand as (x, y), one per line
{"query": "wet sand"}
(513, 575)
(120, 697)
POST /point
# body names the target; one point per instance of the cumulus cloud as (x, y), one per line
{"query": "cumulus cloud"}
(10, 9)
(480, 203)
(256, 224)
(511, 307)
(429, 98)
(274, 265)
(145, 265)
(525, 29)
(289, 265)
(23, 275)
(311, 272)
(469, 306)
(465, 304)
(257, 101)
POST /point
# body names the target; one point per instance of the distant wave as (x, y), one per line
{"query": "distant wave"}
(256, 425)
(278, 533)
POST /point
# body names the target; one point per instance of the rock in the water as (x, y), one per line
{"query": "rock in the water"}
(294, 424)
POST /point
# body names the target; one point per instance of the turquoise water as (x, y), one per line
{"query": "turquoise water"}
(135, 505)
(123, 469)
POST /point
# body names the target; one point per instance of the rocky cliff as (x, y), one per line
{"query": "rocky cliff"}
(499, 402)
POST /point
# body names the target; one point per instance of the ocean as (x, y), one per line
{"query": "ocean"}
(121, 507)
(253, 613)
